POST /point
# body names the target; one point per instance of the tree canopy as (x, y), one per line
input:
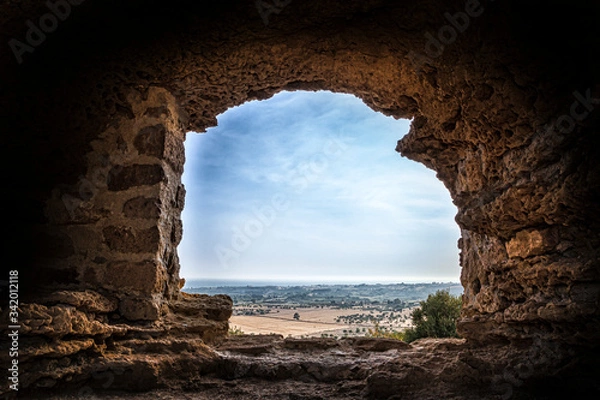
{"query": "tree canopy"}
(436, 318)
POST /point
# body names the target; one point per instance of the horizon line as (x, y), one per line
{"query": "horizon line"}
(331, 280)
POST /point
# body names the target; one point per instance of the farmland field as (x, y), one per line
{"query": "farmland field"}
(314, 321)
(324, 310)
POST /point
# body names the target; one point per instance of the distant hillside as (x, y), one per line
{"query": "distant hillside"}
(317, 295)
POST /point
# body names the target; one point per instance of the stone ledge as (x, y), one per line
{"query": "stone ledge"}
(87, 300)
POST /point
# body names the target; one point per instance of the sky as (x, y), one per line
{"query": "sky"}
(308, 186)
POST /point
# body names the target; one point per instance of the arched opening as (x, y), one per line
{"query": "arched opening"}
(305, 189)
(309, 185)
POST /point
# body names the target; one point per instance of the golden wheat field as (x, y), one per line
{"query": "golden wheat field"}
(312, 322)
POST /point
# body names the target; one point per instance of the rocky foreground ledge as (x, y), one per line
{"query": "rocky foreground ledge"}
(72, 347)
(76, 341)
(271, 367)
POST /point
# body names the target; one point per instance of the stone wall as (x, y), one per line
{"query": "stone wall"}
(483, 120)
(121, 219)
(504, 105)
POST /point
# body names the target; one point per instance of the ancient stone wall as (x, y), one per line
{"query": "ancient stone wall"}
(504, 103)
(121, 218)
(118, 212)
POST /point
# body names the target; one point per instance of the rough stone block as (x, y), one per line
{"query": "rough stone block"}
(157, 112)
(215, 308)
(585, 293)
(136, 309)
(63, 276)
(174, 152)
(150, 140)
(177, 232)
(157, 141)
(59, 348)
(143, 277)
(531, 243)
(129, 240)
(54, 245)
(59, 321)
(123, 178)
(86, 300)
(180, 198)
(142, 207)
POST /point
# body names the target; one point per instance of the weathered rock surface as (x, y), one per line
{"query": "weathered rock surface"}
(259, 367)
(60, 321)
(78, 342)
(88, 301)
(504, 107)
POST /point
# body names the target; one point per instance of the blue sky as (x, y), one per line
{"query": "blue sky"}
(307, 186)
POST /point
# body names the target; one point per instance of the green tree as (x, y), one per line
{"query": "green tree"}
(436, 318)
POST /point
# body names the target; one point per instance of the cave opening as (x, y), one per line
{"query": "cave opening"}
(312, 172)
(93, 104)
(305, 189)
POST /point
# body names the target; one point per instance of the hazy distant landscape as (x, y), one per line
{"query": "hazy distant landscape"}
(325, 310)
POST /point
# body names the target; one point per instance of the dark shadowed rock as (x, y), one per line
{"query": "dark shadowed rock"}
(503, 98)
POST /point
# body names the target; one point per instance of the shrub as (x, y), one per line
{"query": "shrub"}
(235, 331)
(378, 332)
(436, 318)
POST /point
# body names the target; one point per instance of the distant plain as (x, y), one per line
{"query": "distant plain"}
(324, 310)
